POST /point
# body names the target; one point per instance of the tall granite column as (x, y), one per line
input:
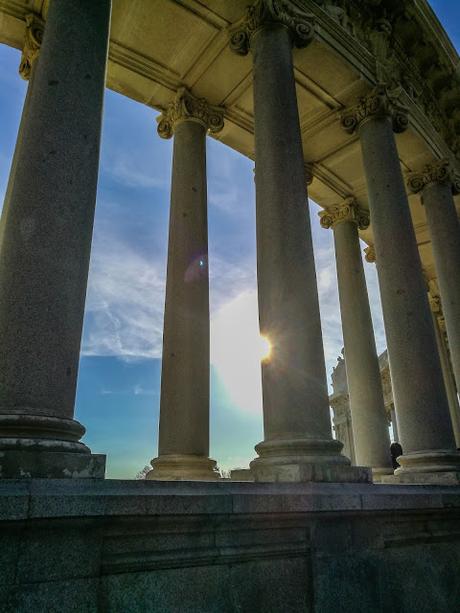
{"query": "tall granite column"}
(368, 416)
(424, 423)
(449, 380)
(184, 406)
(298, 444)
(47, 225)
(437, 183)
(32, 42)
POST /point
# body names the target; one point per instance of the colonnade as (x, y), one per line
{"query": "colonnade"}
(44, 255)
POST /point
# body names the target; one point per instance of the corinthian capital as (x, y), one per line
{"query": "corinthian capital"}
(348, 210)
(265, 12)
(32, 43)
(369, 254)
(379, 103)
(440, 171)
(185, 107)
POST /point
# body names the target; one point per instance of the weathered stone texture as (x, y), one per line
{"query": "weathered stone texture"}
(116, 546)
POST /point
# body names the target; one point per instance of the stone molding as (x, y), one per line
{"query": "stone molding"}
(439, 171)
(186, 107)
(348, 210)
(32, 42)
(369, 254)
(263, 13)
(378, 103)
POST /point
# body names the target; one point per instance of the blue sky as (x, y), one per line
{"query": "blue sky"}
(119, 377)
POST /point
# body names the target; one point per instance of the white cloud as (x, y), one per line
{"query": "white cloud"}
(125, 301)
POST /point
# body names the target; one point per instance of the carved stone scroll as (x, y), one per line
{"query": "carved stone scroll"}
(440, 171)
(379, 103)
(186, 107)
(32, 43)
(266, 12)
(348, 210)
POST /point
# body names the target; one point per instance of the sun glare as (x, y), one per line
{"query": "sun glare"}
(237, 349)
(265, 348)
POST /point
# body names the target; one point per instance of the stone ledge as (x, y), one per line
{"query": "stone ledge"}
(53, 498)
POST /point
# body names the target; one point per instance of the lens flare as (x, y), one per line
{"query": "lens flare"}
(265, 348)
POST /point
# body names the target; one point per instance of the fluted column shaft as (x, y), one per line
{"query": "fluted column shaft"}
(183, 448)
(297, 428)
(436, 184)
(368, 417)
(46, 240)
(421, 404)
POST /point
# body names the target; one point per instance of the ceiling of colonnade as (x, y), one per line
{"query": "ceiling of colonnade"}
(159, 45)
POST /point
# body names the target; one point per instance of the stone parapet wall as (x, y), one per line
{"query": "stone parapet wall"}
(218, 547)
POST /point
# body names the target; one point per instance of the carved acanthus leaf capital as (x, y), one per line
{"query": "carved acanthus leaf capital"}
(348, 210)
(435, 303)
(185, 107)
(379, 103)
(369, 254)
(440, 171)
(32, 43)
(265, 12)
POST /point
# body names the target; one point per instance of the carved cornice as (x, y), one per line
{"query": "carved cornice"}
(379, 103)
(186, 107)
(32, 43)
(440, 171)
(348, 210)
(369, 254)
(265, 12)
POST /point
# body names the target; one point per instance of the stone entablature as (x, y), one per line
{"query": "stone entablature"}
(409, 52)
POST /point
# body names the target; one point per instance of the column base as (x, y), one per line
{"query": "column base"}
(241, 474)
(441, 467)
(306, 460)
(41, 464)
(45, 447)
(440, 478)
(379, 473)
(183, 467)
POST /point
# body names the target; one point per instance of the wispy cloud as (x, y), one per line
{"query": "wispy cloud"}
(124, 309)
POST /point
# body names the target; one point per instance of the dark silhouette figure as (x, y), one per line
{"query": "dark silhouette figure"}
(396, 451)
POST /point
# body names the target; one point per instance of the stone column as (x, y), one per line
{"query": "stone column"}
(298, 443)
(45, 246)
(394, 423)
(449, 381)
(437, 182)
(184, 407)
(368, 417)
(424, 423)
(32, 42)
